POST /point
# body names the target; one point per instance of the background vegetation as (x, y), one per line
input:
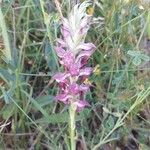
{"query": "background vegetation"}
(119, 116)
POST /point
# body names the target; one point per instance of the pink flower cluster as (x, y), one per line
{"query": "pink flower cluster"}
(73, 54)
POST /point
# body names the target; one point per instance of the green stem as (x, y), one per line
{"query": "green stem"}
(148, 24)
(7, 51)
(72, 127)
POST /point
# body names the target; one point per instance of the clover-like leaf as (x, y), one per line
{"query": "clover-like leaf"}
(145, 57)
(138, 57)
(133, 53)
(136, 61)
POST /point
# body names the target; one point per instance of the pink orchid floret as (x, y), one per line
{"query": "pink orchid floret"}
(73, 54)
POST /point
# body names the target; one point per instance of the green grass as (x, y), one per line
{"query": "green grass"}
(119, 95)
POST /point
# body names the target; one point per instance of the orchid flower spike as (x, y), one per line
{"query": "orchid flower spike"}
(73, 54)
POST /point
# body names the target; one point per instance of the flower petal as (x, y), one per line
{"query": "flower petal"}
(74, 88)
(83, 87)
(85, 72)
(86, 46)
(84, 25)
(60, 51)
(65, 32)
(80, 104)
(65, 29)
(62, 97)
(60, 77)
(67, 59)
(74, 69)
(61, 43)
(83, 55)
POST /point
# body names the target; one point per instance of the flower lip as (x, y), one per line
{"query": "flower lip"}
(84, 55)
(74, 69)
(62, 97)
(65, 28)
(85, 71)
(84, 25)
(67, 59)
(60, 42)
(86, 46)
(60, 77)
(83, 87)
(59, 51)
(74, 88)
(80, 104)
(65, 32)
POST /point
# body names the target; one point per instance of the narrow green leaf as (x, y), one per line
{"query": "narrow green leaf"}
(63, 117)
(36, 105)
(5, 75)
(54, 118)
(7, 111)
(44, 100)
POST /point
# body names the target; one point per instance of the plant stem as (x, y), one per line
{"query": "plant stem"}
(7, 51)
(72, 127)
(148, 24)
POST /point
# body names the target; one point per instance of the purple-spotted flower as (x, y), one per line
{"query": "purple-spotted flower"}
(73, 53)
